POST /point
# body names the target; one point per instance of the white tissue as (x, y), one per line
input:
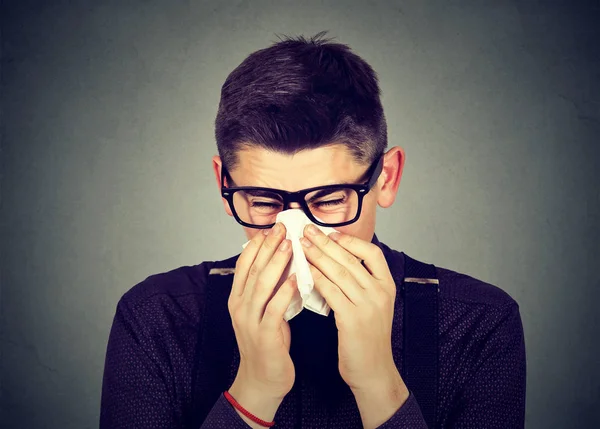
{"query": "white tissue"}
(306, 296)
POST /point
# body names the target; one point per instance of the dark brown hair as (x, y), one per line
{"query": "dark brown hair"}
(301, 94)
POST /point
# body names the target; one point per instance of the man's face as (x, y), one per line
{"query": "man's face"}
(316, 167)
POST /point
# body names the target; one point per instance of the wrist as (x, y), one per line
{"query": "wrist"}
(387, 379)
(256, 401)
(380, 399)
(395, 392)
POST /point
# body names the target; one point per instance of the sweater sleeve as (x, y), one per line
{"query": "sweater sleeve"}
(223, 415)
(494, 395)
(408, 416)
(134, 385)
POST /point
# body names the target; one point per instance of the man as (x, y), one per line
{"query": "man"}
(299, 115)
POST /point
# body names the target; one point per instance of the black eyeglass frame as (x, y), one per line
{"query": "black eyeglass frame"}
(299, 196)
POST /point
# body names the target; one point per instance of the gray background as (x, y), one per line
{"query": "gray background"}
(108, 110)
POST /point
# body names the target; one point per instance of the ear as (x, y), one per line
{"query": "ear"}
(391, 173)
(217, 164)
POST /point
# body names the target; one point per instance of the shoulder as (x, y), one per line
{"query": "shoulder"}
(468, 290)
(178, 292)
(167, 299)
(456, 286)
(170, 285)
(476, 318)
(472, 306)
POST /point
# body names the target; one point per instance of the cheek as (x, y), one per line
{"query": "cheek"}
(364, 227)
(251, 232)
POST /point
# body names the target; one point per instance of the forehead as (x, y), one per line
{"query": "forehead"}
(306, 169)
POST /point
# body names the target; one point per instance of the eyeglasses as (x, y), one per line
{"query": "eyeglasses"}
(328, 205)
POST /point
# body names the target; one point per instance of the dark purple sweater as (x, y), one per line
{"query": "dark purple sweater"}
(152, 346)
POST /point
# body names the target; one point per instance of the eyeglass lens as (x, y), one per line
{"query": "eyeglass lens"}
(332, 206)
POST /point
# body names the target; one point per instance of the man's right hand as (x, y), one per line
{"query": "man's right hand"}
(266, 372)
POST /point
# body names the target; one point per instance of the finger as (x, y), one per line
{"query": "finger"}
(339, 254)
(277, 306)
(269, 279)
(371, 254)
(338, 274)
(243, 264)
(333, 295)
(265, 253)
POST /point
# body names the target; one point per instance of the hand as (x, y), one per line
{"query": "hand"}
(263, 336)
(362, 299)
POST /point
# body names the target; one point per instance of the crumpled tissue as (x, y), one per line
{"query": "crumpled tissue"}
(306, 296)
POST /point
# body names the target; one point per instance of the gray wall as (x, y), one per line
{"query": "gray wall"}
(108, 111)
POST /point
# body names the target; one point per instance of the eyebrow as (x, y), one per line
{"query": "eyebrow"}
(319, 194)
(266, 194)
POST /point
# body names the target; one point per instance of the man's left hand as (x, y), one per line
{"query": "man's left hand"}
(362, 299)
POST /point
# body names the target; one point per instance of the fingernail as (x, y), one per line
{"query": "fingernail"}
(285, 244)
(312, 230)
(305, 242)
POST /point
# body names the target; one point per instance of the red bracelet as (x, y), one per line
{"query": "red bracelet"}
(246, 412)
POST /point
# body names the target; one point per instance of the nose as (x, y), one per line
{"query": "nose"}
(295, 205)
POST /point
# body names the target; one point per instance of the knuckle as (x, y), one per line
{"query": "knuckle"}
(254, 270)
(270, 244)
(332, 289)
(317, 253)
(272, 310)
(235, 313)
(352, 260)
(317, 274)
(254, 243)
(342, 272)
(259, 284)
